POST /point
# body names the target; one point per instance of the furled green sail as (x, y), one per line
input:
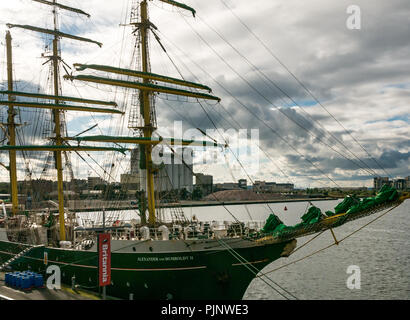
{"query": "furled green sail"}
(349, 206)
(344, 206)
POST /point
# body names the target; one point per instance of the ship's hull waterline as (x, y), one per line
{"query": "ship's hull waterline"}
(147, 270)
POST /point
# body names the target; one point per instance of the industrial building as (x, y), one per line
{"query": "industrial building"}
(172, 173)
(205, 183)
(399, 184)
(263, 186)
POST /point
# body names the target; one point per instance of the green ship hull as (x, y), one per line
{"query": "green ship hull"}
(190, 275)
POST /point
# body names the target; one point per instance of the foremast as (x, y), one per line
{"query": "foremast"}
(147, 89)
(11, 129)
(57, 128)
(146, 111)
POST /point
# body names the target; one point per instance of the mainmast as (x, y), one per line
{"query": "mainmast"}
(11, 126)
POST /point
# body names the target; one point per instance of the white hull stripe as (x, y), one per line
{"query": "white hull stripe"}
(118, 269)
(252, 262)
(133, 269)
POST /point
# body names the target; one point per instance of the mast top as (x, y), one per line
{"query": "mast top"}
(62, 6)
(53, 32)
(180, 5)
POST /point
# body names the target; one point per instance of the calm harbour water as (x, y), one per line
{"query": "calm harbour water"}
(381, 251)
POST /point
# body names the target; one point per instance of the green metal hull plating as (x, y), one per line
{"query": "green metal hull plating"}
(190, 275)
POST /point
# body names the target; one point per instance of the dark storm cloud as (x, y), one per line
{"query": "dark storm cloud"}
(379, 51)
(390, 159)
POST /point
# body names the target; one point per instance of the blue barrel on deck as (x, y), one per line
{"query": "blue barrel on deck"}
(30, 280)
(14, 277)
(23, 282)
(7, 279)
(38, 281)
(26, 282)
(18, 281)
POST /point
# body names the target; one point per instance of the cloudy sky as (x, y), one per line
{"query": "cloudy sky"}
(244, 51)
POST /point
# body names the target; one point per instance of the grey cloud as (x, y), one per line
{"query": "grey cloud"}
(347, 70)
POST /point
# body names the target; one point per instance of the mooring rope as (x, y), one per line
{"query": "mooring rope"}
(246, 264)
(327, 247)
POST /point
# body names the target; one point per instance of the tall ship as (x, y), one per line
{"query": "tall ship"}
(153, 257)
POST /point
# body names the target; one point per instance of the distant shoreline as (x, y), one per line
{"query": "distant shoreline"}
(242, 202)
(185, 204)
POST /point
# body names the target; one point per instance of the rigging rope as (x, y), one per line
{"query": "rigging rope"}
(267, 100)
(195, 77)
(263, 121)
(300, 83)
(213, 123)
(255, 270)
(331, 245)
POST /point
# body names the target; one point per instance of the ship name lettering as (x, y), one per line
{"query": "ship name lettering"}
(179, 258)
(147, 258)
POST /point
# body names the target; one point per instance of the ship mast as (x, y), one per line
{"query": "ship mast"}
(57, 128)
(146, 110)
(11, 126)
(147, 87)
(59, 142)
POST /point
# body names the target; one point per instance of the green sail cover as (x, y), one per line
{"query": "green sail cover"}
(272, 223)
(180, 5)
(275, 226)
(63, 7)
(344, 206)
(386, 194)
(350, 205)
(313, 215)
(53, 32)
(134, 73)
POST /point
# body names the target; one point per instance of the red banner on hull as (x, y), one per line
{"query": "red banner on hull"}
(104, 259)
